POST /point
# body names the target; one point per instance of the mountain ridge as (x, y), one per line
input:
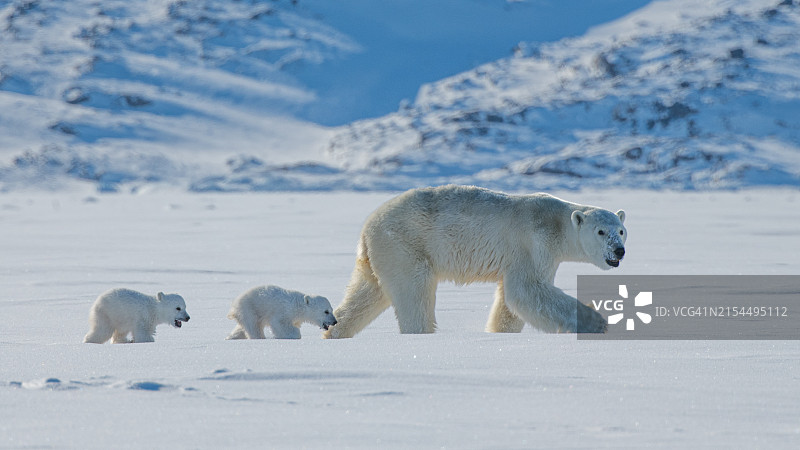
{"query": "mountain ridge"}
(679, 94)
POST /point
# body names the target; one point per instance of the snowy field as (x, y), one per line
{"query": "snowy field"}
(458, 388)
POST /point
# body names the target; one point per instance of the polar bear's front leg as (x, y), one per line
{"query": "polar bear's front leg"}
(144, 334)
(548, 308)
(284, 330)
(501, 319)
(590, 321)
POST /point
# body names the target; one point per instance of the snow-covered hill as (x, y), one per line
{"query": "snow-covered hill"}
(148, 90)
(680, 94)
(407, 43)
(209, 95)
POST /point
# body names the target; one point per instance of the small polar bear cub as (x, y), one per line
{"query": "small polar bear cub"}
(120, 312)
(280, 309)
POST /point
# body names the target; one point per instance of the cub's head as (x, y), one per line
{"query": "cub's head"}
(173, 309)
(319, 311)
(601, 235)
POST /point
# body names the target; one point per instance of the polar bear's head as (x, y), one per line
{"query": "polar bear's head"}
(602, 236)
(172, 309)
(318, 311)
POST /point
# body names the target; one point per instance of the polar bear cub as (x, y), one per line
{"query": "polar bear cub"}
(120, 312)
(280, 309)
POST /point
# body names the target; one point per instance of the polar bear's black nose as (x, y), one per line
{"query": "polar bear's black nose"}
(187, 319)
(619, 252)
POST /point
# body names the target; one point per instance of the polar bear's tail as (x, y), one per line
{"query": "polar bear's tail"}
(364, 300)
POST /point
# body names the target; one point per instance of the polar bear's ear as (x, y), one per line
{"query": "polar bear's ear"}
(307, 298)
(621, 215)
(578, 218)
(160, 296)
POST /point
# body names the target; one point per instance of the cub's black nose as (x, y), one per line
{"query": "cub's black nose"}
(620, 252)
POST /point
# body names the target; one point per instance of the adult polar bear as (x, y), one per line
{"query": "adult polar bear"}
(467, 234)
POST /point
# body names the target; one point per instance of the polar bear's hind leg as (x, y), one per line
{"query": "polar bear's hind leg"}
(252, 325)
(363, 302)
(237, 333)
(120, 338)
(101, 329)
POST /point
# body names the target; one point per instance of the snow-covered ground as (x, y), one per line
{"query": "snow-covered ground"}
(458, 388)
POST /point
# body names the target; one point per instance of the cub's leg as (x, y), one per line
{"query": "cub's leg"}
(284, 330)
(237, 333)
(101, 329)
(120, 338)
(143, 334)
(252, 326)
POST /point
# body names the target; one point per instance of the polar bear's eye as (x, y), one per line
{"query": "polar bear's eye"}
(178, 308)
(327, 312)
(621, 232)
(601, 233)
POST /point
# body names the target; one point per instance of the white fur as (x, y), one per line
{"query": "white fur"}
(280, 309)
(120, 312)
(467, 234)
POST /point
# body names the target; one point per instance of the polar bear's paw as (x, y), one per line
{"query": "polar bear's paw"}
(590, 321)
(336, 332)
